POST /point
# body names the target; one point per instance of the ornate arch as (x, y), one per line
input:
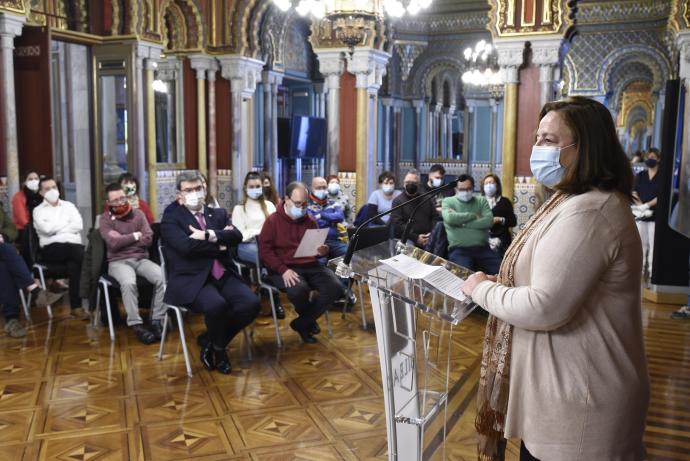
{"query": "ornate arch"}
(628, 73)
(650, 56)
(194, 36)
(424, 72)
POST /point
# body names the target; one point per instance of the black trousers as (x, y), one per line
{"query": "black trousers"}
(525, 455)
(72, 255)
(14, 275)
(228, 305)
(317, 278)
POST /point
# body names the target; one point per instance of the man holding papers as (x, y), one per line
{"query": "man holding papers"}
(298, 274)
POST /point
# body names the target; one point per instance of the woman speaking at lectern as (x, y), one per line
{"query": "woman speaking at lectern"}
(564, 366)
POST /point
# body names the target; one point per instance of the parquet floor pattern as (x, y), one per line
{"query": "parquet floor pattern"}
(67, 393)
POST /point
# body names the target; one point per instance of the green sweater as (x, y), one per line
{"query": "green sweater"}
(7, 228)
(467, 223)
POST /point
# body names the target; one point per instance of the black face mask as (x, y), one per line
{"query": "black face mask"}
(411, 189)
(651, 162)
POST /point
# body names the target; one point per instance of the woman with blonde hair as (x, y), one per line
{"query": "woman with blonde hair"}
(249, 216)
(564, 366)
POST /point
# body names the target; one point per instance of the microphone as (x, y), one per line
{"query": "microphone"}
(410, 220)
(343, 269)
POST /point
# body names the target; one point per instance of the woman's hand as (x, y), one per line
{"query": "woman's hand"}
(474, 280)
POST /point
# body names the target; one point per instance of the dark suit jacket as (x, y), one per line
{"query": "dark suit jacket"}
(189, 261)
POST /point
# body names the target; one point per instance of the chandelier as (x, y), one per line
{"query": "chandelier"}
(320, 9)
(483, 70)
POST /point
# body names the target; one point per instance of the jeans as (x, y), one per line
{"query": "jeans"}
(125, 271)
(316, 278)
(476, 259)
(248, 252)
(228, 305)
(72, 255)
(14, 275)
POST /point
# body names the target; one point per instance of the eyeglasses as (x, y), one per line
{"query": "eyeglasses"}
(199, 188)
(462, 189)
(299, 204)
(118, 201)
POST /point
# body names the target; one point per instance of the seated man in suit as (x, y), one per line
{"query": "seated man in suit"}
(196, 238)
(280, 236)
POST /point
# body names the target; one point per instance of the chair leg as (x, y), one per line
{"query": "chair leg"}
(42, 277)
(180, 325)
(97, 313)
(165, 331)
(25, 305)
(248, 343)
(275, 317)
(109, 313)
(328, 325)
(361, 305)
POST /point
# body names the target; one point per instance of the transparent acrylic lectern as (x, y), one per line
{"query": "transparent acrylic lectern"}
(414, 325)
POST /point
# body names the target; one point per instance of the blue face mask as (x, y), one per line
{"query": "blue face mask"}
(320, 194)
(545, 163)
(297, 213)
(255, 193)
(436, 182)
(464, 195)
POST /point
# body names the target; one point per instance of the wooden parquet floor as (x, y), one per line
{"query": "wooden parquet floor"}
(67, 393)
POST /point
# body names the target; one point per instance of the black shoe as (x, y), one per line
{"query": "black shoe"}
(144, 335)
(223, 362)
(207, 357)
(203, 340)
(280, 312)
(306, 336)
(157, 329)
(314, 329)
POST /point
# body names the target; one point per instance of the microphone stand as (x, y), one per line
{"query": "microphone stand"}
(344, 270)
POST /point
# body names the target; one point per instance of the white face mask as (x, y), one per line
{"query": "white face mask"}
(436, 182)
(255, 193)
(333, 188)
(194, 200)
(464, 195)
(52, 196)
(320, 193)
(490, 189)
(388, 188)
(545, 163)
(32, 185)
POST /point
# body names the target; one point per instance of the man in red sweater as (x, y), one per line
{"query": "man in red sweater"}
(128, 236)
(280, 236)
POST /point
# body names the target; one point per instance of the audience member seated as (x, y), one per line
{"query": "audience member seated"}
(25, 200)
(337, 196)
(128, 236)
(59, 225)
(381, 200)
(504, 216)
(270, 191)
(196, 240)
(280, 236)
(425, 217)
(467, 220)
(249, 216)
(328, 215)
(435, 180)
(130, 185)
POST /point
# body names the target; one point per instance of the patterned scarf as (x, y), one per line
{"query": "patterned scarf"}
(492, 396)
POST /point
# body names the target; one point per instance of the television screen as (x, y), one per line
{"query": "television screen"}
(283, 137)
(308, 137)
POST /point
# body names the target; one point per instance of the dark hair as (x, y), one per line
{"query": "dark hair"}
(499, 188)
(331, 177)
(465, 177)
(273, 196)
(601, 162)
(112, 187)
(187, 176)
(129, 177)
(385, 176)
(436, 167)
(45, 179)
(295, 185)
(653, 150)
(248, 177)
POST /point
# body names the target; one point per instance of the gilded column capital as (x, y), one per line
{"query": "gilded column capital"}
(408, 51)
(510, 58)
(11, 25)
(331, 65)
(201, 63)
(243, 72)
(369, 67)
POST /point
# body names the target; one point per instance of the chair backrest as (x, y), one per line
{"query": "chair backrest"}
(32, 242)
(164, 267)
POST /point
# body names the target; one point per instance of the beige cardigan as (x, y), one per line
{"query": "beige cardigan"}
(579, 387)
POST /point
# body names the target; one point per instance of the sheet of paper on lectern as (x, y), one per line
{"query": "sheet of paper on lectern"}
(437, 276)
(311, 241)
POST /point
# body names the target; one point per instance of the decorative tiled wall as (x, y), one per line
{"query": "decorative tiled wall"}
(225, 189)
(525, 201)
(348, 184)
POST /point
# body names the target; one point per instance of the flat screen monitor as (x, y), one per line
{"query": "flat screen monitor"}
(308, 137)
(679, 218)
(283, 137)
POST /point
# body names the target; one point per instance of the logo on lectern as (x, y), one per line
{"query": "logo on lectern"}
(402, 366)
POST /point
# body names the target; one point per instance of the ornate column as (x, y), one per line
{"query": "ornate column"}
(201, 63)
(212, 145)
(140, 121)
(397, 136)
(243, 74)
(492, 140)
(545, 54)
(369, 67)
(10, 27)
(331, 66)
(149, 66)
(270, 80)
(387, 105)
(449, 132)
(320, 99)
(509, 58)
(444, 132)
(418, 105)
